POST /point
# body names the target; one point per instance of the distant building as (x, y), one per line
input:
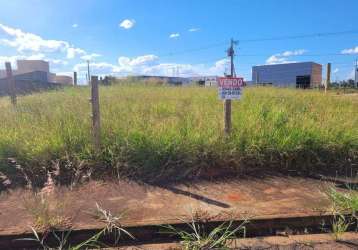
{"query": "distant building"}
(26, 66)
(29, 70)
(32, 75)
(205, 80)
(65, 80)
(165, 79)
(299, 75)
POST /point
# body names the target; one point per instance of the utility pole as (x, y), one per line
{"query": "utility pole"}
(88, 72)
(11, 83)
(227, 102)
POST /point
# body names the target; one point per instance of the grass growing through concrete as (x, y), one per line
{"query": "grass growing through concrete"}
(61, 239)
(47, 215)
(161, 132)
(343, 203)
(198, 239)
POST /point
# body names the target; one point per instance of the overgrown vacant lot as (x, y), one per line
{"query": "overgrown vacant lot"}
(156, 133)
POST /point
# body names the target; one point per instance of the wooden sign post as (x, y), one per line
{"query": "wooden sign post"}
(227, 117)
(11, 83)
(229, 88)
(96, 119)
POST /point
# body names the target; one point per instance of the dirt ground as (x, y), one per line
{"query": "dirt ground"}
(141, 204)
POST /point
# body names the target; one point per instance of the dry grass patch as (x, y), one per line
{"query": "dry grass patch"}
(48, 211)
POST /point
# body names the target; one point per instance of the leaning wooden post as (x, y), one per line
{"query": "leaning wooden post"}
(96, 123)
(11, 83)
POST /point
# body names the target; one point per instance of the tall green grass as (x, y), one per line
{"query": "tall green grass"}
(162, 132)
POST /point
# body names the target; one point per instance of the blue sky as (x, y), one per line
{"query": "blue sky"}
(172, 37)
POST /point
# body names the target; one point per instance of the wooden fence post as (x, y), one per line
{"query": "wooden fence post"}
(227, 117)
(11, 83)
(96, 123)
(74, 78)
(328, 77)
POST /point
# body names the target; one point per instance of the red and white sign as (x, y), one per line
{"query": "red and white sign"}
(230, 87)
(228, 82)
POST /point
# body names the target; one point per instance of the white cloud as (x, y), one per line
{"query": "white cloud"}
(99, 68)
(278, 60)
(165, 69)
(281, 58)
(174, 35)
(335, 70)
(219, 67)
(184, 70)
(90, 57)
(75, 25)
(73, 52)
(31, 46)
(193, 29)
(137, 64)
(65, 73)
(11, 59)
(351, 75)
(127, 24)
(150, 65)
(58, 61)
(293, 53)
(39, 56)
(138, 61)
(351, 51)
(25, 42)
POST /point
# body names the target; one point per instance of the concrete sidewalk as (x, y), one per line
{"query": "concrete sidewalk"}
(258, 198)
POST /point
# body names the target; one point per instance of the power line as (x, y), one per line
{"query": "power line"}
(312, 35)
(188, 51)
(302, 55)
(209, 60)
(291, 37)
